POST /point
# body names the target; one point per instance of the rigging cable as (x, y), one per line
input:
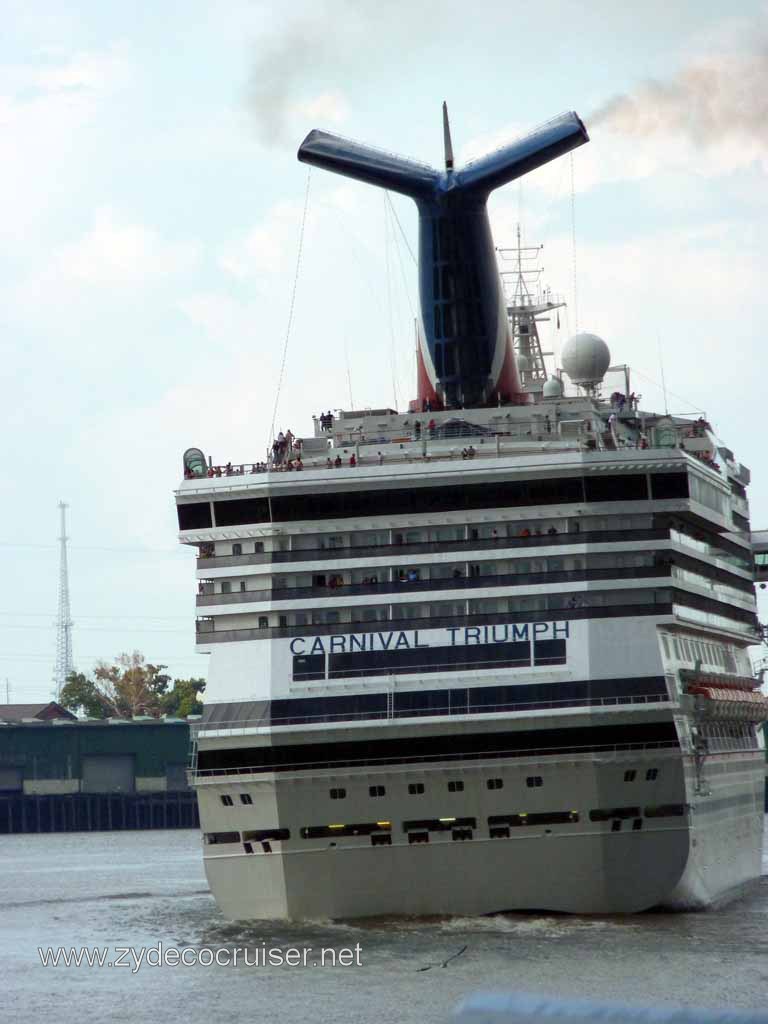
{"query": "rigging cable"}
(400, 226)
(573, 247)
(389, 301)
(291, 309)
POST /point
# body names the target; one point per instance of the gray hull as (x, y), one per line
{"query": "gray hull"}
(707, 853)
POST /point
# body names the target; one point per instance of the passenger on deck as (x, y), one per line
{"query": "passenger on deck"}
(380, 458)
(352, 460)
(525, 532)
(299, 463)
(471, 452)
(337, 462)
(552, 531)
(328, 463)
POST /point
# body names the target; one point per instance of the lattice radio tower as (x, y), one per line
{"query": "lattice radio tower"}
(63, 621)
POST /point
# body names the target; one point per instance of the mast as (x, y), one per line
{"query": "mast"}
(527, 301)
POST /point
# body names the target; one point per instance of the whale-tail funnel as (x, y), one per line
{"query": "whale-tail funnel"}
(465, 354)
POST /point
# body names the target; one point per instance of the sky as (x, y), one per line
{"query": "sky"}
(150, 211)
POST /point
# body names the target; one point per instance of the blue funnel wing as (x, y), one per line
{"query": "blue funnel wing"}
(373, 166)
(543, 144)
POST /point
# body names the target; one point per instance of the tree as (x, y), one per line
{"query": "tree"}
(129, 687)
(81, 694)
(184, 698)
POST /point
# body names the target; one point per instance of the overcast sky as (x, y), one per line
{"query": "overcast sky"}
(150, 203)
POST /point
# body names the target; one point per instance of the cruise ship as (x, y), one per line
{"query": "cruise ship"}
(489, 653)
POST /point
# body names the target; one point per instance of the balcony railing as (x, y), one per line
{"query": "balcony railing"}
(433, 547)
(242, 726)
(429, 585)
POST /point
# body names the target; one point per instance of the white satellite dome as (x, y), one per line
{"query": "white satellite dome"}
(523, 363)
(585, 359)
(553, 388)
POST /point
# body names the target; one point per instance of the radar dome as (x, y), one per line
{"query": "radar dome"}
(553, 388)
(585, 359)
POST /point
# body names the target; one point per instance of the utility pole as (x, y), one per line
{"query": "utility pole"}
(64, 622)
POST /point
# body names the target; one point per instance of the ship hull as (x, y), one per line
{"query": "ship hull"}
(708, 853)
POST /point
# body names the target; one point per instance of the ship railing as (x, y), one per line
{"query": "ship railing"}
(460, 546)
(422, 585)
(469, 755)
(441, 711)
(421, 450)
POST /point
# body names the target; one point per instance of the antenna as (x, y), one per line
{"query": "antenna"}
(663, 379)
(64, 665)
(447, 139)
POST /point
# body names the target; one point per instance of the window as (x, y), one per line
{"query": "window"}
(637, 824)
(538, 818)
(652, 774)
(494, 783)
(499, 833)
(381, 840)
(195, 516)
(461, 834)
(665, 811)
(263, 621)
(282, 621)
(614, 813)
(337, 794)
(242, 586)
(629, 776)
(245, 798)
(226, 587)
(534, 781)
(418, 837)
(616, 825)
(227, 801)
(265, 834)
(376, 791)
(237, 549)
(455, 787)
(214, 838)
(415, 788)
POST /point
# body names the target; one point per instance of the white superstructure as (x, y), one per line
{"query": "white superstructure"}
(500, 670)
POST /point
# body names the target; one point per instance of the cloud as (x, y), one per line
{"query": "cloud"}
(115, 252)
(269, 247)
(45, 109)
(115, 257)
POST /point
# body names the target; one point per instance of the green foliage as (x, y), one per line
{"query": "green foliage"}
(80, 694)
(130, 687)
(184, 698)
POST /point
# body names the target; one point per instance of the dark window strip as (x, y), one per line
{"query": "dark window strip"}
(404, 750)
(449, 701)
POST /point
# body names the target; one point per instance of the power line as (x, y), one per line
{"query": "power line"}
(98, 629)
(137, 618)
(291, 308)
